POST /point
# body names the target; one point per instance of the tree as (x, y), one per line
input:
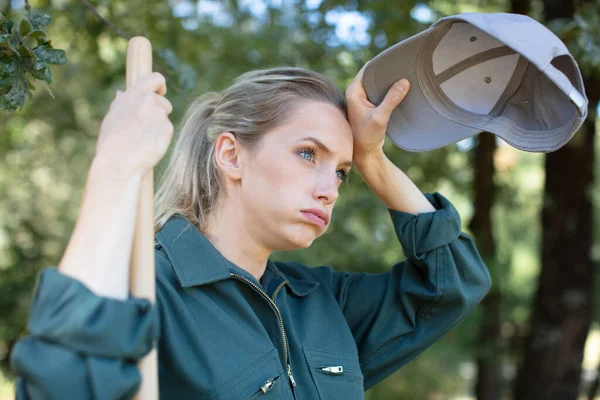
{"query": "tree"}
(562, 309)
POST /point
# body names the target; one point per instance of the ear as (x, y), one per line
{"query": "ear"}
(227, 155)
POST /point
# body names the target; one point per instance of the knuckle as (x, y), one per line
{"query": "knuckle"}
(349, 92)
(146, 99)
(379, 120)
(160, 79)
(393, 96)
(131, 93)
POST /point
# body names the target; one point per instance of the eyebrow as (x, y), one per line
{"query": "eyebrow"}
(326, 149)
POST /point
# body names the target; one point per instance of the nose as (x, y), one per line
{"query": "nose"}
(326, 188)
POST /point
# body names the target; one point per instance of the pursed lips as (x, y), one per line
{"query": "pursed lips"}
(317, 216)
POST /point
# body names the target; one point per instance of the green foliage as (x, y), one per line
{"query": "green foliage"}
(184, 73)
(25, 52)
(582, 36)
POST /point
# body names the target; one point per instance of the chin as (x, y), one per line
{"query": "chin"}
(298, 238)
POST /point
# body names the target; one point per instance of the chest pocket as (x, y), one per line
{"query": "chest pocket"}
(336, 376)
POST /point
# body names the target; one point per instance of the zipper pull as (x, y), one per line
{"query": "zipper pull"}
(267, 386)
(333, 370)
(289, 372)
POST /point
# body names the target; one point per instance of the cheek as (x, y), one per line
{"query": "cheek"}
(286, 174)
(276, 184)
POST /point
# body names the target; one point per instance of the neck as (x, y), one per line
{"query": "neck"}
(228, 231)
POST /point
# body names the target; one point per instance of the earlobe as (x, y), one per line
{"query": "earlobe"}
(227, 152)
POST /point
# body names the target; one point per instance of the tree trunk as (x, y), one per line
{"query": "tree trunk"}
(594, 386)
(562, 308)
(489, 360)
(563, 304)
(488, 371)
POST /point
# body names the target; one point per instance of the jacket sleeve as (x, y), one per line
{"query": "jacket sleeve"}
(82, 346)
(395, 316)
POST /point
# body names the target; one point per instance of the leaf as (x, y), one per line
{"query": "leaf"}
(25, 28)
(4, 38)
(3, 22)
(8, 68)
(29, 42)
(30, 85)
(24, 54)
(39, 71)
(6, 81)
(25, 51)
(16, 97)
(51, 56)
(48, 78)
(39, 21)
(37, 35)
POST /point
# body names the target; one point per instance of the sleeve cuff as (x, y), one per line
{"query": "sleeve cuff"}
(50, 371)
(422, 233)
(65, 311)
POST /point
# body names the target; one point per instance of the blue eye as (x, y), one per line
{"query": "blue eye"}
(343, 175)
(308, 154)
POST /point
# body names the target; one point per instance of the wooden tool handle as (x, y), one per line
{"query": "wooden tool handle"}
(142, 272)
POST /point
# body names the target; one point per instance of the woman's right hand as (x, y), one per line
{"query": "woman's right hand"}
(136, 131)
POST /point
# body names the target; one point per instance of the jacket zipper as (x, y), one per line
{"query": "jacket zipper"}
(266, 296)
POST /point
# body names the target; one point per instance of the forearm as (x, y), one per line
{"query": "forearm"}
(391, 185)
(99, 251)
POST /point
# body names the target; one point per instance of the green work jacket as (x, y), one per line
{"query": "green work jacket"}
(300, 333)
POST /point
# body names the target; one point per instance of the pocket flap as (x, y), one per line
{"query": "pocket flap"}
(261, 380)
(336, 375)
(333, 363)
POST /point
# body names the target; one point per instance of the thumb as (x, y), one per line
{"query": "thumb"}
(393, 97)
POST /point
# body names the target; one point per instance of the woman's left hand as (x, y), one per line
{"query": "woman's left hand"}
(367, 121)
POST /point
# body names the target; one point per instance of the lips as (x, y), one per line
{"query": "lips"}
(312, 212)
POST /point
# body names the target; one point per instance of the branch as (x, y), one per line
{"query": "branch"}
(112, 26)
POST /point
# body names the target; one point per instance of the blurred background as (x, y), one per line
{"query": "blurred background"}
(534, 216)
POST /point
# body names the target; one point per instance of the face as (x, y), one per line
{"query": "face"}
(294, 174)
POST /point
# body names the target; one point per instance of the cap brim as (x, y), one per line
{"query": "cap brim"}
(414, 125)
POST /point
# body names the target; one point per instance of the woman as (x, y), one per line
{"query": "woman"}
(255, 169)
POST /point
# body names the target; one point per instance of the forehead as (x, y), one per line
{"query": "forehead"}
(322, 121)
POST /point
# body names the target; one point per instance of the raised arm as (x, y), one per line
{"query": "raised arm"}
(394, 316)
(134, 136)
(87, 333)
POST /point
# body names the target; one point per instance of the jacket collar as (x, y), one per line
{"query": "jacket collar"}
(197, 262)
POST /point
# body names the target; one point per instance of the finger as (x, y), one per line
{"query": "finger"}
(118, 95)
(168, 129)
(164, 103)
(154, 82)
(392, 99)
(361, 73)
(356, 89)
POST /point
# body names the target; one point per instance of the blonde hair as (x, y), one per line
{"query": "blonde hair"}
(257, 102)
